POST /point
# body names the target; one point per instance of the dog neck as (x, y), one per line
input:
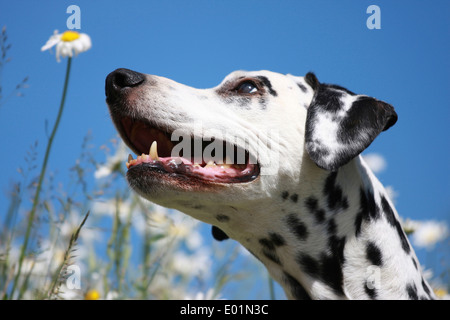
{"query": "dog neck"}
(335, 237)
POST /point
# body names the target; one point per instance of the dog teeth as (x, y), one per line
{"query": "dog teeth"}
(210, 164)
(130, 159)
(153, 153)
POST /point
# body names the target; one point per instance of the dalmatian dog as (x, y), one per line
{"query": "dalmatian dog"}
(273, 161)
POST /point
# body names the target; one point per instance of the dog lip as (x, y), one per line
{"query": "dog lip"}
(169, 171)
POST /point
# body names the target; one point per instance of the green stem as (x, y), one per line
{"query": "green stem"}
(41, 177)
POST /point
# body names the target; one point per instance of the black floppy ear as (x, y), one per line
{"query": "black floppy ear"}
(341, 124)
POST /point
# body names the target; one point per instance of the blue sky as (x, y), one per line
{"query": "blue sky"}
(405, 63)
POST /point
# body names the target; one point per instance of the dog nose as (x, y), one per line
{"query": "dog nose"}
(120, 79)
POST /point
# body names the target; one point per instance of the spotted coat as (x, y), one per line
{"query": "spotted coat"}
(313, 213)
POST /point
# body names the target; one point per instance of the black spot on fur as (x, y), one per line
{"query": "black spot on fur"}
(312, 204)
(268, 85)
(277, 239)
(327, 100)
(269, 246)
(335, 199)
(332, 227)
(320, 215)
(374, 210)
(294, 197)
(337, 249)
(297, 290)
(333, 261)
(296, 226)
(274, 240)
(285, 195)
(218, 234)
(371, 292)
(222, 218)
(302, 87)
(373, 254)
(262, 103)
(368, 209)
(414, 263)
(331, 270)
(308, 264)
(358, 223)
(272, 255)
(411, 290)
(390, 217)
(328, 268)
(426, 289)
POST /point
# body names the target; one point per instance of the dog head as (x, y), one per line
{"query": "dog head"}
(221, 150)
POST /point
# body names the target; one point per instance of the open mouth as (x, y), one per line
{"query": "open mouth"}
(225, 163)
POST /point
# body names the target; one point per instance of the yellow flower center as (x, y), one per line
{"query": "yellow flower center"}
(92, 295)
(440, 293)
(69, 36)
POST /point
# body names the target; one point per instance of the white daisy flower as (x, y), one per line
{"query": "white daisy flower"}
(428, 233)
(112, 163)
(68, 44)
(208, 295)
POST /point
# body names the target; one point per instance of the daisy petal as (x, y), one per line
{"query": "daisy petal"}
(51, 42)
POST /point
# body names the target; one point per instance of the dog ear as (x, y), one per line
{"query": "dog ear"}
(341, 124)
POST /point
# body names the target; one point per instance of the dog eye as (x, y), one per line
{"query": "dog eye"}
(247, 87)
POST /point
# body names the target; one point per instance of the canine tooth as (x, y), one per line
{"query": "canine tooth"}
(130, 157)
(154, 151)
